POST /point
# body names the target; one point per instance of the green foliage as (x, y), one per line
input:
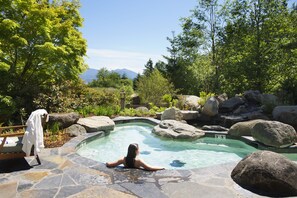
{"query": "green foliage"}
(167, 98)
(151, 88)
(148, 67)
(139, 113)
(99, 110)
(204, 97)
(71, 96)
(7, 107)
(40, 47)
(54, 128)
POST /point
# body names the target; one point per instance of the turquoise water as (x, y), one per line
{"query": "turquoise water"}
(171, 154)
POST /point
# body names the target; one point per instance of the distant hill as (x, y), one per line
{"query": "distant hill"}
(90, 74)
(130, 74)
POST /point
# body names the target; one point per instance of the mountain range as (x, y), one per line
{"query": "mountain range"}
(91, 73)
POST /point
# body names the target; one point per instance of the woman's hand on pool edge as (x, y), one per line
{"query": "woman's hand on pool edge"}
(114, 164)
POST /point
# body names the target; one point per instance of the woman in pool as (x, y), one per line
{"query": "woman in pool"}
(130, 161)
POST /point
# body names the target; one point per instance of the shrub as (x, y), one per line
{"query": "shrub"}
(204, 97)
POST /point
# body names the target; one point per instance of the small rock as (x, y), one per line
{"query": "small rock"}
(75, 130)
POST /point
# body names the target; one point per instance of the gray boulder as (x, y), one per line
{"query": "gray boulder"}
(211, 107)
(172, 114)
(142, 109)
(253, 96)
(274, 133)
(231, 104)
(267, 173)
(189, 115)
(243, 128)
(222, 97)
(286, 114)
(97, 123)
(75, 130)
(177, 130)
(192, 102)
(63, 119)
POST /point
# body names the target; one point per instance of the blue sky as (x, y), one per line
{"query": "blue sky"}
(125, 34)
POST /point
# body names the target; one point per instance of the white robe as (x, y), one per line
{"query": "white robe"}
(34, 132)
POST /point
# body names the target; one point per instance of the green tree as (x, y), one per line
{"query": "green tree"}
(148, 67)
(106, 78)
(152, 88)
(254, 46)
(40, 45)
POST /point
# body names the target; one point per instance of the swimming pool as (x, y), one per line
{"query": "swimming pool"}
(171, 154)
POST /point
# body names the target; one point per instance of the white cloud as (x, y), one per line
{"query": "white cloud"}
(115, 59)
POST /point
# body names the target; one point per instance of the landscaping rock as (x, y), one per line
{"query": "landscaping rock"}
(222, 98)
(214, 128)
(240, 110)
(97, 123)
(243, 128)
(231, 104)
(269, 102)
(274, 133)
(253, 96)
(189, 115)
(191, 102)
(75, 130)
(142, 109)
(228, 121)
(177, 130)
(286, 114)
(172, 114)
(211, 107)
(267, 173)
(63, 119)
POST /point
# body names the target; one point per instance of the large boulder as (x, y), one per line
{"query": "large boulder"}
(231, 104)
(75, 130)
(267, 173)
(172, 114)
(97, 123)
(274, 133)
(269, 102)
(286, 114)
(192, 102)
(63, 119)
(211, 107)
(243, 128)
(253, 96)
(177, 130)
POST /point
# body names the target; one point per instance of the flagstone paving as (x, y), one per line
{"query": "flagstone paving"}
(63, 173)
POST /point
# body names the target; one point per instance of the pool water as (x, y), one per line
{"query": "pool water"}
(171, 154)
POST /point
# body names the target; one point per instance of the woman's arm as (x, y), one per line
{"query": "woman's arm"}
(149, 167)
(114, 164)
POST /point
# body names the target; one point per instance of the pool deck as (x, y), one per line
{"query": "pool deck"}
(63, 173)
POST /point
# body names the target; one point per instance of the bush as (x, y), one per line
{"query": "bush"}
(99, 110)
(204, 97)
(153, 87)
(7, 106)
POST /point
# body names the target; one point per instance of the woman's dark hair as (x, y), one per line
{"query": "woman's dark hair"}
(130, 158)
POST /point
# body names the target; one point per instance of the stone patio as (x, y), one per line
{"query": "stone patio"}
(63, 173)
